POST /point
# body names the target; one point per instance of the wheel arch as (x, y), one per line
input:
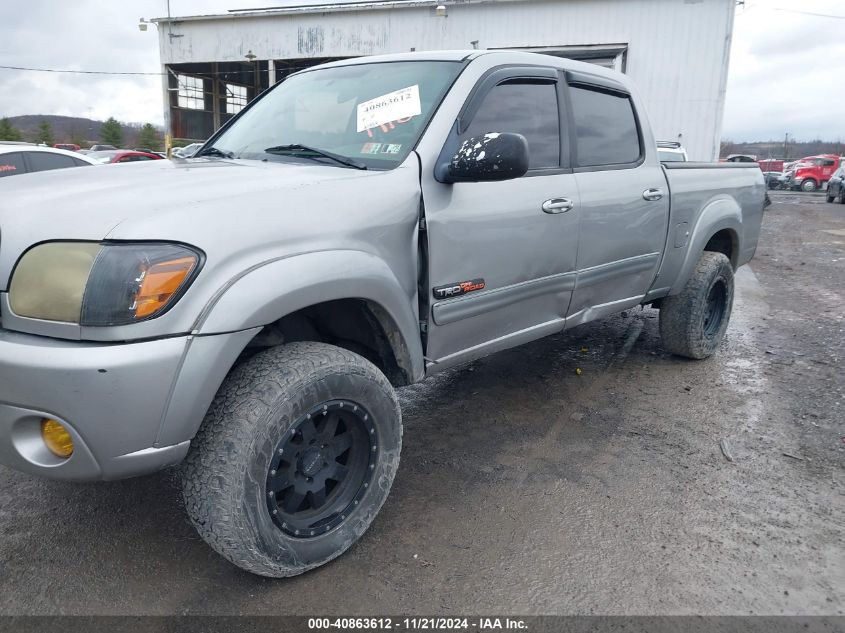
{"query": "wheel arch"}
(350, 298)
(719, 229)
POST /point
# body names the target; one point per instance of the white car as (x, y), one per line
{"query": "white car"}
(671, 152)
(25, 158)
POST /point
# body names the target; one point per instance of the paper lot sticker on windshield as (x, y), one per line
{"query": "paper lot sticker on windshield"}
(399, 104)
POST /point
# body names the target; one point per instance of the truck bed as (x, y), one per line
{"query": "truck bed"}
(706, 198)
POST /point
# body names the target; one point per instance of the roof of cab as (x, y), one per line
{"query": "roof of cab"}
(506, 56)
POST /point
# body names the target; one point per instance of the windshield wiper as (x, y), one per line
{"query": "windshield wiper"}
(213, 151)
(297, 148)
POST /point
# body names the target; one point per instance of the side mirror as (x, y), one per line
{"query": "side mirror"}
(491, 157)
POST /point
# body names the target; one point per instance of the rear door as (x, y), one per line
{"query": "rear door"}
(501, 268)
(624, 199)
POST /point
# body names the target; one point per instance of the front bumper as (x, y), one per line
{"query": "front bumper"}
(131, 408)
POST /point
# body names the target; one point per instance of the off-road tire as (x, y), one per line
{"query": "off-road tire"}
(224, 477)
(682, 316)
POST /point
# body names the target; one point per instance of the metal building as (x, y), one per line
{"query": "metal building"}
(676, 51)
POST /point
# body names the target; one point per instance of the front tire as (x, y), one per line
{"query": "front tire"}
(809, 185)
(693, 322)
(294, 459)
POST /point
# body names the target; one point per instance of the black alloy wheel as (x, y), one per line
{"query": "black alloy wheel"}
(321, 470)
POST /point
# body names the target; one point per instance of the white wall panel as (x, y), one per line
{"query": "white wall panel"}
(677, 49)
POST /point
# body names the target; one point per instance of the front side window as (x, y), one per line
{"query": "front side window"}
(235, 98)
(373, 113)
(605, 128)
(190, 93)
(11, 164)
(527, 107)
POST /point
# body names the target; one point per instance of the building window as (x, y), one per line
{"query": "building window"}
(235, 98)
(190, 95)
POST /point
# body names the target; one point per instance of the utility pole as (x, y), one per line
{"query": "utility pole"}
(786, 147)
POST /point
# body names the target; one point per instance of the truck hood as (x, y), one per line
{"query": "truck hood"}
(177, 200)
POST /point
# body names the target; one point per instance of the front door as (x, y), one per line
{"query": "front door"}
(502, 254)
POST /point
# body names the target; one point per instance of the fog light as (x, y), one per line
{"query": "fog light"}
(56, 437)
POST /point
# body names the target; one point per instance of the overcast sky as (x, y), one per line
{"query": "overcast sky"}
(787, 71)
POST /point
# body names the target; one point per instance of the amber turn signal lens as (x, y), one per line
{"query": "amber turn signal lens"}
(56, 437)
(161, 281)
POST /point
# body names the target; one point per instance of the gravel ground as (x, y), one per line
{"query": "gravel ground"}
(527, 488)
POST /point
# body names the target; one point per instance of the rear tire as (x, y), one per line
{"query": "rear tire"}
(693, 322)
(294, 459)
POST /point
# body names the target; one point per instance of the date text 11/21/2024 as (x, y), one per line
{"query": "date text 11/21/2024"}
(417, 624)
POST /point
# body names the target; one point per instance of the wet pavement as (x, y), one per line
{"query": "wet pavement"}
(527, 487)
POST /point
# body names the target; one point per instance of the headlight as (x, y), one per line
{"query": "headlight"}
(101, 284)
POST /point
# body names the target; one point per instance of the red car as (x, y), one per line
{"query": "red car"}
(71, 147)
(121, 156)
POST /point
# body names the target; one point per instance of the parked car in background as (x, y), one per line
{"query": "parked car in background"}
(773, 179)
(122, 156)
(187, 151)
(16, 159)
(147, 150)
(671, 152)
(71, 147)
(836, 185)
(741, 158)
(100, 148)
(811, 173)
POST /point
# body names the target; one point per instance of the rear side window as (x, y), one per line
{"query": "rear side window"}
(523, 107)
(605, 128)
(11, 164)
(44, 161)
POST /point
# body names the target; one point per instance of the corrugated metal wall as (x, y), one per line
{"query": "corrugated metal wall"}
(677, 50)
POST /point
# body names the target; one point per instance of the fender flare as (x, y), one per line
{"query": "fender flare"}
(722, 212)
(268, 291)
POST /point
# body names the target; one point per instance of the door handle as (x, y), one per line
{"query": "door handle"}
(653, 194)
(557, 205)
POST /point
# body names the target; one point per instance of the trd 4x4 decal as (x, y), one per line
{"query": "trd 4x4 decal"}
(458, 288)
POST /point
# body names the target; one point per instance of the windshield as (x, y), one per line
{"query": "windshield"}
(372, 113)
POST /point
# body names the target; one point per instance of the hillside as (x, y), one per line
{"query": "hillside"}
(68, 129)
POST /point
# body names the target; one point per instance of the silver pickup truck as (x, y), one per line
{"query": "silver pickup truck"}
(362, 225)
